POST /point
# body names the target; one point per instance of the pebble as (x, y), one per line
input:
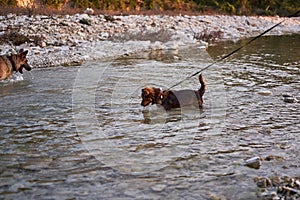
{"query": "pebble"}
(274, 157)
(287, 95)
(254, 162)
(158, 187)
(43, 44)
(290, 100)
(216, 197)
(265, 92)
(89, 39)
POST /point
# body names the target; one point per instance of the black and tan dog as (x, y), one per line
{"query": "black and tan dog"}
(174, 98)
(14, 62)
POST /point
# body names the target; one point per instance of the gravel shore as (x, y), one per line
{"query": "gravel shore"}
(73, 39)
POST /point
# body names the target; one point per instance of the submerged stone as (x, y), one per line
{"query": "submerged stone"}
(254, 162)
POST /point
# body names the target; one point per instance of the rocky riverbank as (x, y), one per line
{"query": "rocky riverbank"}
(73, 39)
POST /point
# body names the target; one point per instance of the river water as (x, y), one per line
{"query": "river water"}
(81, 133)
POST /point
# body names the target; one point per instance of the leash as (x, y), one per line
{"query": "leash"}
(234, 51)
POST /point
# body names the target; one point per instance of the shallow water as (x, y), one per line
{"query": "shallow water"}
(80, 132)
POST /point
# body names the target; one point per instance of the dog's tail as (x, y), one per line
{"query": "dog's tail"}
(203, 85)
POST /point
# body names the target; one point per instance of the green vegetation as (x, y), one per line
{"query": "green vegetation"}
(238, 7)
(8, 2)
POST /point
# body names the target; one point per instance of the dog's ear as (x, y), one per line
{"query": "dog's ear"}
(23, 53)
(145, 91)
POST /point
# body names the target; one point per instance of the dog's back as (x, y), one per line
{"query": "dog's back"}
(184, 98)
(181, 98)
(6, 69)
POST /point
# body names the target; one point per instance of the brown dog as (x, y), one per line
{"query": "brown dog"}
(174, 99)
(14, 62)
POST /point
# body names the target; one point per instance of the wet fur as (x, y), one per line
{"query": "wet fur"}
(14, 62)
(170, 99)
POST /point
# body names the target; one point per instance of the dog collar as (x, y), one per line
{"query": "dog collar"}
(161, 92)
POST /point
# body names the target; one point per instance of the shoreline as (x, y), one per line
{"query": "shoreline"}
(74, 39)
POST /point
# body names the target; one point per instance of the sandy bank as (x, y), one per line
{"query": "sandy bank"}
(71, 40)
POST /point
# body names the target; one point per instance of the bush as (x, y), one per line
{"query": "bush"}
(16, 38)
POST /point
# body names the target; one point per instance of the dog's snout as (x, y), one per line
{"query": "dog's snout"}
(145, 103)
(28, 68)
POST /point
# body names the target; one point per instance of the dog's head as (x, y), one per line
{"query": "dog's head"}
(26, 66)
(21, 61)
(151, 95)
